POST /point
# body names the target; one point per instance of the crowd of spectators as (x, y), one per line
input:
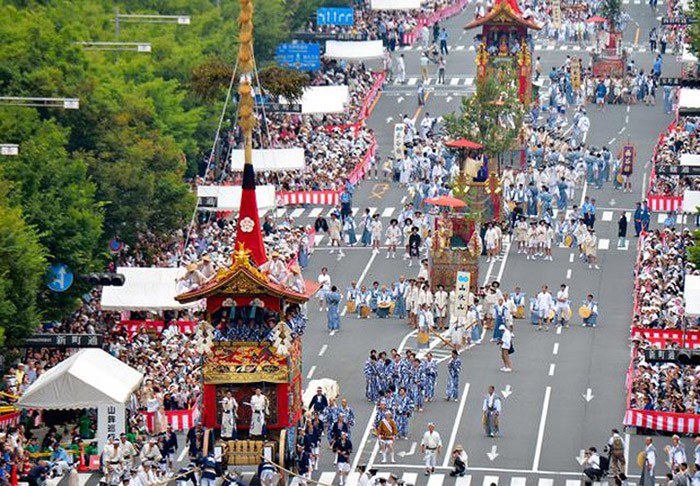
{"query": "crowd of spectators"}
(661, 272)
(680, 139)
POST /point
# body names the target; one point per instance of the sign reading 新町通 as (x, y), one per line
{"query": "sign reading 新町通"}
(335, 16)
(64, 341)
(300, 56)
(679, 170)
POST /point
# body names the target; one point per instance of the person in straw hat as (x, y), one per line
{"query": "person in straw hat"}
(459, 461)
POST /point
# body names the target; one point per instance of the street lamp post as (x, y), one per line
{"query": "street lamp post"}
(148, 19)
(115, 46)
(65, 103)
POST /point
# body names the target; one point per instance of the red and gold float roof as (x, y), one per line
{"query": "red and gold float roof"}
(504, 12)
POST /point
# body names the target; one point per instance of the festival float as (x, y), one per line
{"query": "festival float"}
(251, 340)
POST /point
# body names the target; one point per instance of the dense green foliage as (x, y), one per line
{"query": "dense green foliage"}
(119, 165)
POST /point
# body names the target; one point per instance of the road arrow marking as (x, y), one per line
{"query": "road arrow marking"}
(588, 396)
(507, 391)
(493, 454)
(411, 451)
(399, 99)
(613, 202)
(389, 120)
(581, 457)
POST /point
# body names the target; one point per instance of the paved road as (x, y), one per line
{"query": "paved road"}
(546, 421)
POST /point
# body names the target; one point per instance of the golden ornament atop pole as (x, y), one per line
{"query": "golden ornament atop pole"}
(246, 64)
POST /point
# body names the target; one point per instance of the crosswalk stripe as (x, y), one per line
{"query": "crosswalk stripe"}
(573, 482)
(625, 247)
(372, 210)
(410, 478)
(280, 212)
(550, 47)
(603, 244)
(472, 48)
(607, 215)
(660, 218)
(464, 480)
(469, 81)
(459, 48)
(83, 478)
(575, 48)
(352, 478)
(436, 479)
(545, 482)
(387, 212)
(518, 481)
(454, 81)
(317, 239)
(315, 212)
(412, 81)
(563, 48)
(488, 480)
(298, 212)
(354, 211)
(642, 49)
(327, 478)
(384, 474)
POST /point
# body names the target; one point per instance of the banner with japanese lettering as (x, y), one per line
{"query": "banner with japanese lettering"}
(576, 75)
(556, 14)
(627, 159)
(462, 294)
(399, 131)
(110, 423)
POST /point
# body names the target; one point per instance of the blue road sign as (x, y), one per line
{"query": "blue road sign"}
(60, 278)
(335, 16)
(115, 246)
(303, 57)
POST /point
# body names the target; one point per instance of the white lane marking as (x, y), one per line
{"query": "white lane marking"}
(627, 453)
(644, 186)
(323, 350)
(518, 481)
(280, 212)
(332, 333)
(660, 218)
(603, 244)
(458, 420)
(627, 119)
(489, 480)
(552, 367)
(583, 193)
(488, 272)
(555, 350)
(387, 212)
(409, 478)
(576, 482)
(568, 274)
(326, 478)
(299, 211)
(571, 258)
(403, 200)
(607, 216)
(352, 478)
(454, 81)
(463, 480)
(545, 482)
(436, 479)
(181, 457)
(503, 263)
(458, 48)
(540, 432)
(628, 109)
(612, 141)
(311, 372)
(314, 213)
(558, 329)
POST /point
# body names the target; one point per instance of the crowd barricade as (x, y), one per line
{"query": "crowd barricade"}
(132, 327)
(9, 419)
(368, 103)
(181, 420)
(359, 172)
(660, 203)
(316, 198)
(680, 423)
(437, 16)
(691, 339)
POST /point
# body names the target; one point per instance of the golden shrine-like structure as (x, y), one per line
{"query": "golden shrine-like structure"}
(505, 48)
(241, 294)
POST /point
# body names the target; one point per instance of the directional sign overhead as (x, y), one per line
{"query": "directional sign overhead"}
(59, 278)
(335, 16)
(683, 82)
(679, 170)
(325, 36)
(303, 57)
(683, 20)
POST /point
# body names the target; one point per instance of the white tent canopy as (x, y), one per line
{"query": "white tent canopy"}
(395, 4)
(691, 201)
(690, 159)
(371, 49)
(689, 100)
(88, 379)
(145, 289)
(324, 99)
(691, 294)
(687, 55)
(228, 198)
(270, 160)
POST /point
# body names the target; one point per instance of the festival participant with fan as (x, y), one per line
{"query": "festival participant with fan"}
(589, 312)
(562, 307)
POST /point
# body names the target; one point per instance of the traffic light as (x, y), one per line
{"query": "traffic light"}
(104, 279)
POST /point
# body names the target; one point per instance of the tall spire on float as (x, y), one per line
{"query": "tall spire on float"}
(249, 232)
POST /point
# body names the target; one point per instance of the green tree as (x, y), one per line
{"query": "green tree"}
(22, 270)
(491, 117)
